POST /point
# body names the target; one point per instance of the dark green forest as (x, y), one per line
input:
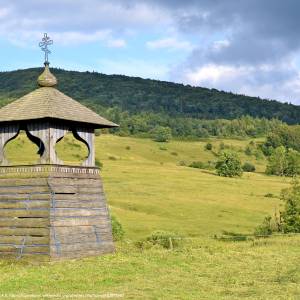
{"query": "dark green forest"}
(139, 105)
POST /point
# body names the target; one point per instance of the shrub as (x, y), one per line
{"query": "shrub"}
(174, 153)
(248, 167)
(182, 163)
(165, 239)
(117, 229)
(162, 134)
(266, 228)
(198, 165)
(277, 162)
(128, 148)
(269, 195)
(112, 157)
(221, 146)
(229, 164)
(283, 162)
(98, 163)
(163, 148)
(97, 132)
(248, 151)
(258, 154)
(209, 146)
(290, 217)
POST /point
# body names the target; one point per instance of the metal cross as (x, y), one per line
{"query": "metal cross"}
(44, 46)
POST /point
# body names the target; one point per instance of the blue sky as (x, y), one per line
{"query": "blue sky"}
(249, 46)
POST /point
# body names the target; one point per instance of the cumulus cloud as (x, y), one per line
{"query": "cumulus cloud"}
(77, 21)
(169, 44)
(249, 46)
(259, 52)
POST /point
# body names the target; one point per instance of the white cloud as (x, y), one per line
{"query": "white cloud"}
(219, 45)
(79, 21)
(117, 43)
(278, 81)
(169, 44)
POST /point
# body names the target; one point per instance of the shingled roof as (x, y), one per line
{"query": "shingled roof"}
(48, 102)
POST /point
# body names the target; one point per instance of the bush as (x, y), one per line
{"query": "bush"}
(161, 134)
(163, 148)
(208, 146)
(165, 239)
(290, 217)
(202, 165)
(266, 228)
(221, 146)
(117, 229)
(128, 148)
(197, 165)
(97, 132)
(248, 167)
(269, 195)
(174, 153)
(283, 162)
(98, 163)
(112, 157)
(229, 164)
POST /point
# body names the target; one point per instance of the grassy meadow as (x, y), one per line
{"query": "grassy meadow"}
(148, 189)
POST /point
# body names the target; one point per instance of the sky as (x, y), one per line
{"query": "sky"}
(249, 47)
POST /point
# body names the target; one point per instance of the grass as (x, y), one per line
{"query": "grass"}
(147, 190)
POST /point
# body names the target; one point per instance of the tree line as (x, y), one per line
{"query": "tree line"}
(136, 95)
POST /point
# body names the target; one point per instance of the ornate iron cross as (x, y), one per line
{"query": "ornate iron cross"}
(44, 46)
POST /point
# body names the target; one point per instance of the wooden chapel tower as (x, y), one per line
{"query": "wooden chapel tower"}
(50, 209)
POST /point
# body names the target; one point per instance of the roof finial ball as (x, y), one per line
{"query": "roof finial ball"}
(46, 79)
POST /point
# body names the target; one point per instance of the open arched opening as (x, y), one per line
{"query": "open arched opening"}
(23, 149)
(71, 149)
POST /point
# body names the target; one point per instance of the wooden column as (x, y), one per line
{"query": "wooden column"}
(87, 136)
(7, 133)
(57, 132)
(40, 132)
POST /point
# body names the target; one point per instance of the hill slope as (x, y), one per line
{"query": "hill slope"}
(137, 95)
(147, 190)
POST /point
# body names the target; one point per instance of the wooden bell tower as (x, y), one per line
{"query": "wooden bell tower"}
(51, 210)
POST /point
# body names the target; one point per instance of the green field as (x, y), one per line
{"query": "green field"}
(148, 190)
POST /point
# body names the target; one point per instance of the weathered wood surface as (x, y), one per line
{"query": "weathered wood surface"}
(65, 216)
(24, 197)
(27, 204)
(25, 249)
(40, 130)
(49, 171)
(27, 240)
(36, 231)
(24, 222)
(87, 136)
(7, 133)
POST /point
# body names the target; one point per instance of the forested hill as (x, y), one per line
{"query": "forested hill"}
(137, 95)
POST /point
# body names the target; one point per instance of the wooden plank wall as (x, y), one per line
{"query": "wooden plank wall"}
(24, 218)
(54, 218)
(79, 218)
